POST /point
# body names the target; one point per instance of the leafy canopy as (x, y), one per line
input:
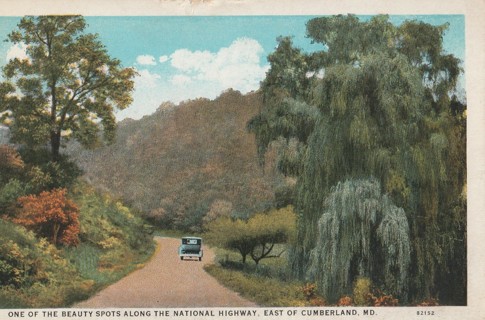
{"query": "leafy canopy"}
(376, 105)
(66, 87)
(255, 237)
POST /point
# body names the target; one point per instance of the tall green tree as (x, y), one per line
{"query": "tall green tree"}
(385, 111)
(285, 114)
(66, 87)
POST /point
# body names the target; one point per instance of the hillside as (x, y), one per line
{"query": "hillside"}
(179, 162)
(34, 273)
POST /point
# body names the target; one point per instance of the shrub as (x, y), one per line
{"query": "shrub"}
(255, 237)
(9, 193)
(47, 174)
(379, 299)
(11, 163)
(35, 273)
(32, 272)
(362, 290)
(429, 302)
(345, 301)
(51, 215)
(310, 293)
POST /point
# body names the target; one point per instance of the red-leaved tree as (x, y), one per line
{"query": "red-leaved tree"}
(50, 214)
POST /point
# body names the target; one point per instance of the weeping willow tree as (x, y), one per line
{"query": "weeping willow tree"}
(361, 234)
(372, 120)
(382, 105)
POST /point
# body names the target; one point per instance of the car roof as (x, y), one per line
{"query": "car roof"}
(196, 238)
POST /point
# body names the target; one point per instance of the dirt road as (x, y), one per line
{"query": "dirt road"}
(166, 281)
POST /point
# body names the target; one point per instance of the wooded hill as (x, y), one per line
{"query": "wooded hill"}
(183, 161)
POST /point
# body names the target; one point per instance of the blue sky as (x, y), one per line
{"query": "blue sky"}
(180, 57)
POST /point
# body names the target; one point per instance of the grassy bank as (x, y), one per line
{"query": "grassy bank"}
(269, 284)
(266, 284)
(34, 273)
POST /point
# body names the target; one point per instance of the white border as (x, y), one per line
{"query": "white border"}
(475, 38)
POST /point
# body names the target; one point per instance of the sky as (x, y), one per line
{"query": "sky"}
(179, 57)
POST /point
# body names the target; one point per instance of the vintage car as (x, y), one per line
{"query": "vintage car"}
(191, 247)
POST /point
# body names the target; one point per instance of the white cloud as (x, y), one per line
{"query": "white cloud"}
(146, 60)
(237, 66)
(188, 61)
(180, 79)
(147, 96)
(146, 79)
(17, 51)
(198, 74)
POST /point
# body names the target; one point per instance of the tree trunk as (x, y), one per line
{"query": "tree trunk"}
(55, 129)
(57, 227)
(55, 145)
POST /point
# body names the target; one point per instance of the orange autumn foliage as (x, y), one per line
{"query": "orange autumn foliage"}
(50, 214)
(10, 162)
(345, 301)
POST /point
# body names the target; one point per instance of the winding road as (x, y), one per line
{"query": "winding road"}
(166, 281)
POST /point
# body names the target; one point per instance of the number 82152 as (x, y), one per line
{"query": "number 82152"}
(425, 313)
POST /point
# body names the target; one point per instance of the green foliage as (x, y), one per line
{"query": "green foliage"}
(362, 290)
(9, 193)
(33, 273)
(66, 87)
(285, 195)
(12, 169)
(360, 234)
(385, 108)
(107, 224)
(113, 239)
(265, 292)
(285, 113)
(45, 174)
(255, 237)
(31, 171)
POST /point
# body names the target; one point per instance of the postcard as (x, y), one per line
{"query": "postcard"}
(241, 159)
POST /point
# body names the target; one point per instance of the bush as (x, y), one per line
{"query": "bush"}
(113, 239)
(310, 293)
(255, 237)
(105, 221)
(380, 299)
(48, 174)
(33, 272)
(9, 193)
(345, 301)
(362, 291)
(51, 214)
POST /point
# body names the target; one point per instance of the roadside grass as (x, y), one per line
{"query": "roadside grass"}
(114, 243)
(86, 258)
(36, 274)
(266, 284)
(33, 272)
